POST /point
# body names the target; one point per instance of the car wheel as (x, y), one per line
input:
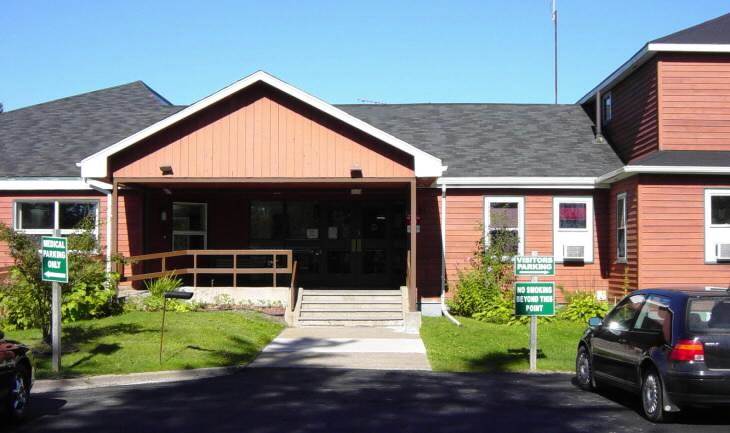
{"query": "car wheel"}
(652, 397)
(19, 392)
(584, 370)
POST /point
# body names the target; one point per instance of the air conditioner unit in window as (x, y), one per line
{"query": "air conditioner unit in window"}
(573, 252)
(722, 251)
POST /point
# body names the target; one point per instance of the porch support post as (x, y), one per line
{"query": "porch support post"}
(115, 225)
(412, 292)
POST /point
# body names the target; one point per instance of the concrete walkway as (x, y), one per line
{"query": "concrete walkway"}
(360, 348)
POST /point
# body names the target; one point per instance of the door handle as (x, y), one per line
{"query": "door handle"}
(622, 340)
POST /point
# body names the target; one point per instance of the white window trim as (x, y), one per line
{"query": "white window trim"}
(203, 232)
(588, 231)
(56, 212)
(712, 239)
(624, 259)
(488, 200)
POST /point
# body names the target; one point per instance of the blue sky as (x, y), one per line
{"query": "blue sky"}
(342, 51)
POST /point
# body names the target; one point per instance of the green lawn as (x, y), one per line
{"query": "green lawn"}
(486, 347)
(131, 342)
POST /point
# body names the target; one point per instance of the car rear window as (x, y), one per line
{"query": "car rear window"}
(709, 315)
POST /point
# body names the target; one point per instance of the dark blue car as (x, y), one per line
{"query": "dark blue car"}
(671, 346)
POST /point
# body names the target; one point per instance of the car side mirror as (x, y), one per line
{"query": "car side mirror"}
(595, 322)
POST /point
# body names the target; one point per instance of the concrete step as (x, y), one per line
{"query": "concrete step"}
(393, 300)
(342, 306)
(351, 315)
(350, 323)
(306, 297)
(351, 292)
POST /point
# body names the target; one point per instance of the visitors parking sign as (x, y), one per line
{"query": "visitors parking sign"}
(54, 255)
(534, 265)
(534, 299)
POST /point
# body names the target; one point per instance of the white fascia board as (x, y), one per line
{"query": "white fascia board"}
(519, 182)
(647, 52)
(630, 170)
(44, 184)
(426, 165)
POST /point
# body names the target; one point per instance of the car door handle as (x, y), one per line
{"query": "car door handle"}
(622, 340)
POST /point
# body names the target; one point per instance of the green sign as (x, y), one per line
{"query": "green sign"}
(54, 254)
(534, 299)
(534, 265)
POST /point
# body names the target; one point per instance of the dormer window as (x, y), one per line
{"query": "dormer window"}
(606, 108)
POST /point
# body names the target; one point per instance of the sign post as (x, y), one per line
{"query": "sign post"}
(54, 260)
(534, 298)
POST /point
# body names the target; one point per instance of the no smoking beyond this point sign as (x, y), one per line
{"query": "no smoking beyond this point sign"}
(534, 299)
(54, 254)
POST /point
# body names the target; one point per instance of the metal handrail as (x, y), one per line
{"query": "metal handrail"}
(195, 270)
(293, 288)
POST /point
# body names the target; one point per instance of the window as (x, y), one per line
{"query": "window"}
(573, 228)
(41, 217)
(303, 220)
(504, 222)
(268, 221)
(717, 224)
(621, 227)
(709, 315)
(621, 318)
(607, 107)
(655, 317)
(189, 226)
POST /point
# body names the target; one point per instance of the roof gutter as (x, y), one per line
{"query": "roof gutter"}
(531, 182)
(630, 170)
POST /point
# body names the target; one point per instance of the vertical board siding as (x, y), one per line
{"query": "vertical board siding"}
(672, 233)
(6, 213)
(262, 133)
(694, 103)
(429, 243)
(624, 276)
(465, 225)
(633, 130)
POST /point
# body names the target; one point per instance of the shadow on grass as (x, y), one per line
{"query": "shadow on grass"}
(499, 362)
(240, 351)
(100, 349)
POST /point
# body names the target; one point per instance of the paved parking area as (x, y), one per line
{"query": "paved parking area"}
(263, 400)
(343, 347)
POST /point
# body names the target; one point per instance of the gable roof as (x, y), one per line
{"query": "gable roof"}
(714, 31)
(712, 36)
(496, 140)
(425, 165)
(48, 139)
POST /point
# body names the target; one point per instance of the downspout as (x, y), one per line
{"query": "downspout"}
(444, 307)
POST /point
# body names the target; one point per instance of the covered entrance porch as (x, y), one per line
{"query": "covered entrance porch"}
(326, 234)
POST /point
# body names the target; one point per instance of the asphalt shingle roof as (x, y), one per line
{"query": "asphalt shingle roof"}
(497, 139)
(714, 31)
(472, 139)
(669, 158)
(47, 140)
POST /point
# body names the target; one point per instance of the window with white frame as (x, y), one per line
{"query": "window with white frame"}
(607, 107)
(504, 220)
(621, 227)
(42, 217)
(573, 228)
(717, 225)
(189, 226)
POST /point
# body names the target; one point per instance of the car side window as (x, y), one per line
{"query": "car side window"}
(655, 317)
(622, 316)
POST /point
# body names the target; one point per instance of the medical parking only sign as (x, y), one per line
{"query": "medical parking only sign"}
(534, 299)
(54, 255)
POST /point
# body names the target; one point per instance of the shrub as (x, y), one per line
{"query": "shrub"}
(484, 290)
(25, 300)
(157, 288)
(582, 306)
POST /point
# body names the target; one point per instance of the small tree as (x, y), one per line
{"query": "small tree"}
(25, 300)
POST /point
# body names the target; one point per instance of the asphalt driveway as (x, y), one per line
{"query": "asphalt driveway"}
(343, 400)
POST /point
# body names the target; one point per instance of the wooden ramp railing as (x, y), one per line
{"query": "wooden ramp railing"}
(234, 270)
